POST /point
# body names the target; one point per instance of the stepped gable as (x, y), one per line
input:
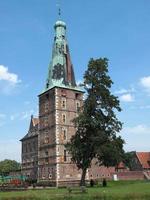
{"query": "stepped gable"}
(33, 128)
(35, 121)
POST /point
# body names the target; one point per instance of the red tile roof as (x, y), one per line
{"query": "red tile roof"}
(144, 159)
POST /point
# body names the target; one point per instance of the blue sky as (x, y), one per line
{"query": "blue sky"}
(118, 30)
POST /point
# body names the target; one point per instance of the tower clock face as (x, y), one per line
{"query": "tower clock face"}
(58, 72)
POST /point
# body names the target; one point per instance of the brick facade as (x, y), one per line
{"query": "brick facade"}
(29, 156)
(57, 109)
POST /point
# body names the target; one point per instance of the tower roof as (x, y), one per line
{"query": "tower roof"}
(60, 23)
(60, 72)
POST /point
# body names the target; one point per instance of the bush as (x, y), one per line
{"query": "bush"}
(30, 181)
(45, 184)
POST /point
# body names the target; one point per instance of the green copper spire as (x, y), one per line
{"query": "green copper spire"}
(60, 71)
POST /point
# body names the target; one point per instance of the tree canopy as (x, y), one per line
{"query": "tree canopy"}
(97, 124)
(7, 166)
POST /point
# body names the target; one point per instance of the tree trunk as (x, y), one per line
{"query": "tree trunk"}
(82, 181)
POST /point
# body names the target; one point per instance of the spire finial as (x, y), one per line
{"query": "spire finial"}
(59, 9)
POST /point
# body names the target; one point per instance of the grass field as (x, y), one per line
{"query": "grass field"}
(121, 190)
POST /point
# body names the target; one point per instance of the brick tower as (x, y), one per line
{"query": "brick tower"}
(58, 106)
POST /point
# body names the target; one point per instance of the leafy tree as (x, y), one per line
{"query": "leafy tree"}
(129, 159)
(6, 166)
(97, 124)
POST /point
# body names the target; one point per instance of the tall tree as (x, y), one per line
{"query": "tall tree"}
(97, 124)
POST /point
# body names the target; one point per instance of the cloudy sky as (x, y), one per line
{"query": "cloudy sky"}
(118, 30)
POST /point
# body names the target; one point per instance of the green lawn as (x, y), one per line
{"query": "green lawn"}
(121, 190)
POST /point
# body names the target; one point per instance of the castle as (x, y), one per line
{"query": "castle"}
(44, 156)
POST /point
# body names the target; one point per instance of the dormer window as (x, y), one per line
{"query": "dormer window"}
(46, 153)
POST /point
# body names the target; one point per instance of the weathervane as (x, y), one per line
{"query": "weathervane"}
(59, 9)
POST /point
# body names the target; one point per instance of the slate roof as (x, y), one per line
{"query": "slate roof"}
(144, 159)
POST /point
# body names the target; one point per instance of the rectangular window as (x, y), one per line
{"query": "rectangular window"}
(65, 134)
(46, 160)
(29, 147)
(77, 106)
(76, 95)
(47, 96)
(46, 121)
(24, 148)
(46, 106)
(34, 146)
(63, 103)
(65, 155)
(64, 118)
(46, 153)
(46, 139)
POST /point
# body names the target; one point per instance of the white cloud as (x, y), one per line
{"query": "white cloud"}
(136, 137)
(121, 91)
(125, 91)
(145, 82)
(138, 129)
(5, 75)
(23, 115)
(79, 82)
(8, 81)
(127, 97)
